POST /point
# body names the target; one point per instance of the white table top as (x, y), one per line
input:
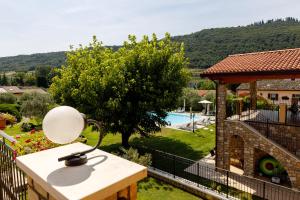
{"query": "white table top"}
(103, 175)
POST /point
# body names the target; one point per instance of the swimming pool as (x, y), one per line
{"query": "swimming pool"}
(179, 118)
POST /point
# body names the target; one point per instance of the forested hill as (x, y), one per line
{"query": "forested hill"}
(207, 47)
(29, 62)
(204, 48)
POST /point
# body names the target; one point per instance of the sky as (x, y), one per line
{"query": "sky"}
(37, 26)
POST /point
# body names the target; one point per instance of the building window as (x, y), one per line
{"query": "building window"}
(273, 96)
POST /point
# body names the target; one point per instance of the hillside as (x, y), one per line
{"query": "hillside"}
(29, 62)
(204, 48)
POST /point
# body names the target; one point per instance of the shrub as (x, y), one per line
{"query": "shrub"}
(31, 142)
(134, 156)
(10, 119)
(25, 127)
(11, 109)
(7, 98)
(34, 141)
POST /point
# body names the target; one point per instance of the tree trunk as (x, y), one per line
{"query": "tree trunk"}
(125, 138)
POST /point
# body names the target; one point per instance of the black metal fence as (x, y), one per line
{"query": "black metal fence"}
(224, 182)
(265, 119)
(13, 184)
(278, 133)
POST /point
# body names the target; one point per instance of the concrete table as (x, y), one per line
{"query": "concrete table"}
(105, 176)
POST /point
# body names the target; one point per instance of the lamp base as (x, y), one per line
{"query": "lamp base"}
(76, 160)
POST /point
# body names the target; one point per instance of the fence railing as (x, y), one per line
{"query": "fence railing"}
(265, 119)
(263, 113)
(277, 132)
(13, 184)
(224, 182)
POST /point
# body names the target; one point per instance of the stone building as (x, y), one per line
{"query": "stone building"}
(264, 143)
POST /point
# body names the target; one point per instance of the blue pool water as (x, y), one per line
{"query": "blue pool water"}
(179, 118)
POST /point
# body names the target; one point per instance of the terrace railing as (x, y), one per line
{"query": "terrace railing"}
(277, 133)
(265, 119)
(13, 184)
(263, 113)
(224, 182)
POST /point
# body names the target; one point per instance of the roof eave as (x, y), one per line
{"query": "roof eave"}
(240, 77)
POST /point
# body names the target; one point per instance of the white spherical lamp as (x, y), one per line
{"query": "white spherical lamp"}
(63, 124)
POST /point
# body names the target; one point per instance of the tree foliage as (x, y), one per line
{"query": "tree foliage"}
(209, 46)
(7, 98)
(35, 104)
(191, 98)
(129, 90)
(12, 109)
(3, 79)
(206, 84)
(42, 76)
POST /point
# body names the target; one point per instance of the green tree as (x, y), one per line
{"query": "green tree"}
(29, 79)
(128, 90)
(206, 84)
(53, 72)
(4, 80)
(42, 76)
(191, 98)
(19, 78)
(35, 105)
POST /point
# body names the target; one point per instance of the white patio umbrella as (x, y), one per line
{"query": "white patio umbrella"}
(206, 102)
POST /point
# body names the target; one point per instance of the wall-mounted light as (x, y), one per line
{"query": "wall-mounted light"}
(63, 125)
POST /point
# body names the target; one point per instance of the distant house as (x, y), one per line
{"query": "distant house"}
(2, 90)
(20, 90)
(11, 89)
(275, 90)
(203, 93)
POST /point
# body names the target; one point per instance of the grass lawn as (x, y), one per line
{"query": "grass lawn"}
(152, 189)
(182, 143)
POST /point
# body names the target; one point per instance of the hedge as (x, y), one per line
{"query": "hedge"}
(12, 109)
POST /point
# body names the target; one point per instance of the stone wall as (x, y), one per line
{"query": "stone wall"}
(254, 140)
(221, 155)
(236, 147)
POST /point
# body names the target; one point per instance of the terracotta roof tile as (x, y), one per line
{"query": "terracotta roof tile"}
(267, 61)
